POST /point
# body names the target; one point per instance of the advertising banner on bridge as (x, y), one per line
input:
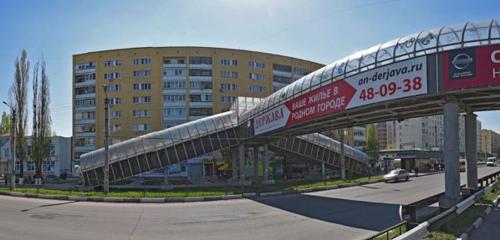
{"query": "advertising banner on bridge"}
(398, 80)
(471, 67)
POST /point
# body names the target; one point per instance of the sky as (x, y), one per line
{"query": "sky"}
(316, 30)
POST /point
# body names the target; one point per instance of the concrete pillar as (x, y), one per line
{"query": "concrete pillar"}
(451, 155)
(234, 164)
(241, 158)
(255, 162)
(342, 154)
(323, 170)
(266, 155)
(471, 149)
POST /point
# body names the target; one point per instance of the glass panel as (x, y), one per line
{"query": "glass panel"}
(386, 50)
(353, 63)
(339, 68)
(450, 36)
(318, 75)
(406, 45)
(474, 32)
(495, 30)
(427, 40)
(327, 74)
(369, 56)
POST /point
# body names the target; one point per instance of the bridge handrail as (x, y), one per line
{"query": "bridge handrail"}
(413, 45)
(161, 139)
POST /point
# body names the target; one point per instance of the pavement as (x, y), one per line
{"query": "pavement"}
(346, 213)
(489, 229)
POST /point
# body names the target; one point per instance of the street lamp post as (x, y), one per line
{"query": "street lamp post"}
(13, 139)
(106, 142)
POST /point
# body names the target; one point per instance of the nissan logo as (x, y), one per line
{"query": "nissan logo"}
(462, 61)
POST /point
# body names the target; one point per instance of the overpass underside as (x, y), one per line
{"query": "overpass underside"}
(174, 145)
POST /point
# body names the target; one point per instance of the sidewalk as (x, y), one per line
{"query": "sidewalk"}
(490, 228)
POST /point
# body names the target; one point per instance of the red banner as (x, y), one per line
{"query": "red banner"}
(325, 100)
(471, 67)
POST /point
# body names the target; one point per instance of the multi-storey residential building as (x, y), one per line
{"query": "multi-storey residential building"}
(58, 162)
(490, 142)
(355, 136)
(159, 87)
(420, 133)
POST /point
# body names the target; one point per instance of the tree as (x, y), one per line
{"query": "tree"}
(5, 124)
(19, 91)
(41, 118)
(372, 144)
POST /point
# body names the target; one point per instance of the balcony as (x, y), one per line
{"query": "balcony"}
(84, 121)
(174, 65)
(200, 66)
(86, 95)
(85, 83)
(200, 91)
(86, 148)
(174, 104)
(201, 78)
(84, 134)
(282, 73)
(88, 70)
(201, 104)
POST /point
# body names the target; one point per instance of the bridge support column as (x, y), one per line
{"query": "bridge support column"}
(266, 155)
(323, 171)
(234, 164)
(471, 149)
(451, 155)
(255, 162)
(342, 154)
(241, 158)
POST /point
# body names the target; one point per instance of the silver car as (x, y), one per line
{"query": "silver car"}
(397, 175)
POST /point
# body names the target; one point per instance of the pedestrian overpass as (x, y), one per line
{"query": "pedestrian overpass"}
(446, 71)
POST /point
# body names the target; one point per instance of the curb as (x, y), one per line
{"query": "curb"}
(250, 195)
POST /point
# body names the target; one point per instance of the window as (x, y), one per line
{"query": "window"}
(200, 73)
(85, 128)
(229, 62)
(84, 77)
(200, 85)
(174, 98)
(200, 111)
(142, 86)
(228, 74)
(142, 61)
(144, 99)
(174, 112)
(115, 128)
(141, 127)
(84, 66)
(115, 101)
(227, 99)
(255, 64)
(85, 102)
(200, 98)
(174, 60)
(174, 72)
(84, 141)
(174, 85)
(113, 88)
(142, 73)
(115, 114)
(111, 76)
(84, 90)
(142, 113)
(200, 60)
(300, 71)
(229, 86)
(257, 89)
(113, 63)
(256, 76)
(281, 79)
(85, 115)
(282, 68)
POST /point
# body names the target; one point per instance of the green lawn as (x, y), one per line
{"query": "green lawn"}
(393, 233)
(440, 236)
(201, 191)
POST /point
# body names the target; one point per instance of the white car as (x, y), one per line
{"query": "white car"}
(397, 175)
(490, 163)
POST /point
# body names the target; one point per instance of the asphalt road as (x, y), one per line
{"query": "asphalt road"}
(349, 213)
(489, 229)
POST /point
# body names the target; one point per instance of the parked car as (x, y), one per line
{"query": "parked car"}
(490, 163)
(397, 175)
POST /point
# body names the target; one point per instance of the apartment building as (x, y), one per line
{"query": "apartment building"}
(490, 143)
(153, 88)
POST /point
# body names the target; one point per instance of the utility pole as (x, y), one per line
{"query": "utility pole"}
(106, 143)
(13, 139)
